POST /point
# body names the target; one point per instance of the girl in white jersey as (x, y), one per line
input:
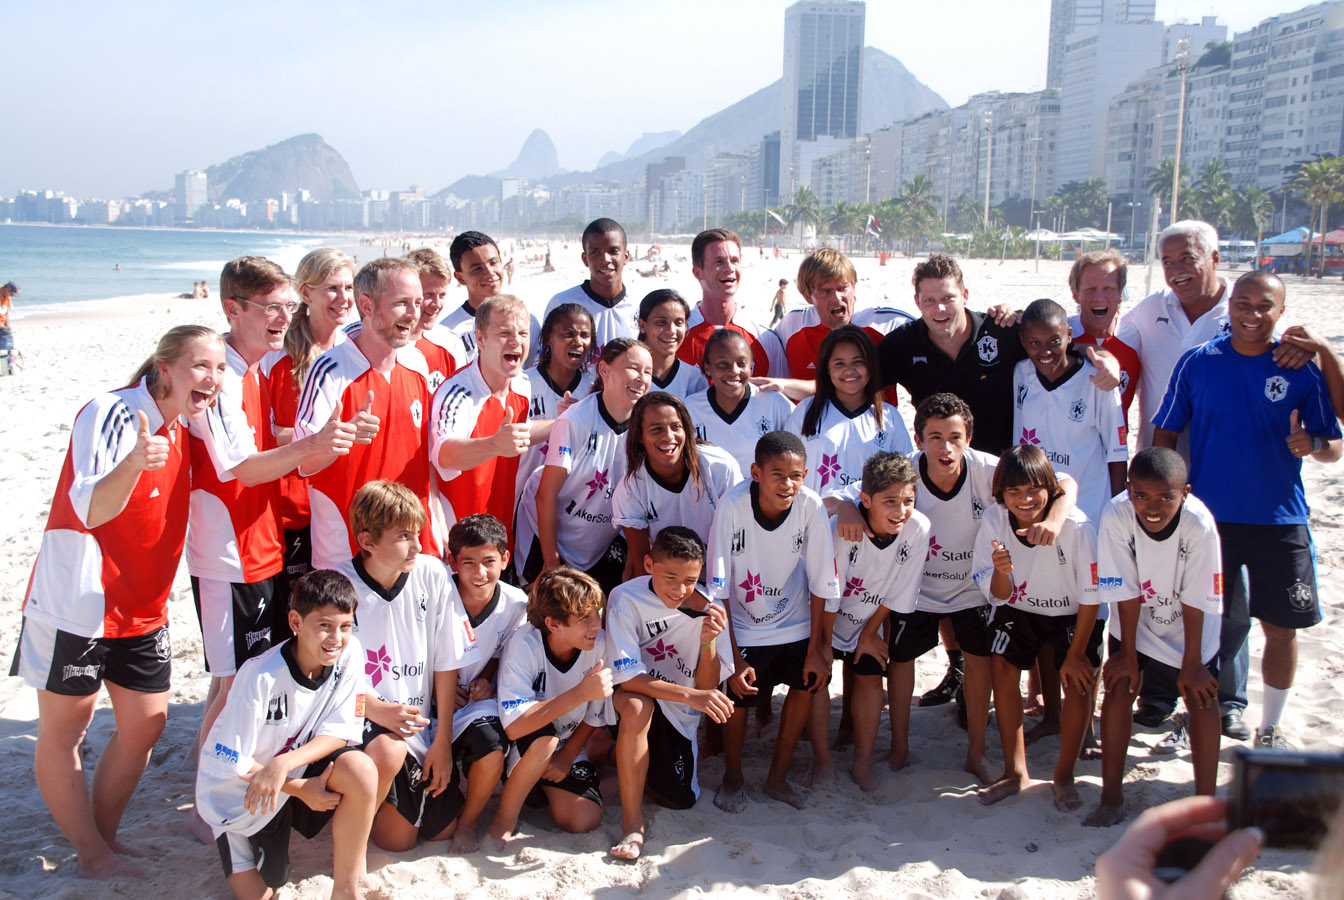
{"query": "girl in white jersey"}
(669, 480)
(662, 326)
(563, 375)
(734, 413)
(1041, 596)
(846, 421)
(564, 512)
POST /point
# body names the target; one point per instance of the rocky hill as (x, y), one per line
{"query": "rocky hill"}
(304, 162)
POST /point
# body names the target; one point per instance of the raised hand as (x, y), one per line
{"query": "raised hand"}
(1299, 442)
(151, 450)
(1003, 561)
(596, 685)
(365, 422)
(512, 438)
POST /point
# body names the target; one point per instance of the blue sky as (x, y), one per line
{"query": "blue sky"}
(113, 99)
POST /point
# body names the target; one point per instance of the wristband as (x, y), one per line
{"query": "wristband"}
(1317, 443)
(706, 646)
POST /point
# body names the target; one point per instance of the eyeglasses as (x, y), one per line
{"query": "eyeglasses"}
(272, 309)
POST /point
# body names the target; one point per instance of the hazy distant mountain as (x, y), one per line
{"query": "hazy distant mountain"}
(649, 140)
(305, 162)
(536, 160)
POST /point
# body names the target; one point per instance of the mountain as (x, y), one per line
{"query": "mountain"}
(304, 162)
(536, 160)
(649, 140)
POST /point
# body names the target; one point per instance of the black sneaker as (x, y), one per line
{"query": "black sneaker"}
(946, 690)
(1233, 727)
(1150, 715)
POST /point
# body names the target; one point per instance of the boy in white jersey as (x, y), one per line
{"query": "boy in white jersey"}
(1159, 560)
(1059, 409)
(654, 624)
(404, 627)
(554, 691)
(772, 560)
(876, 574)
(1042, 596)
(603, 293)
(286, 730)
(484, 614)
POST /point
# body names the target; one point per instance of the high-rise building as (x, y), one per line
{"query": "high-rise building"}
(191, 194)
(1067, 16)
(823, 81)
(763, 172)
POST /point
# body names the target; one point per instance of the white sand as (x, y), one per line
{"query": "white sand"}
(922, 835)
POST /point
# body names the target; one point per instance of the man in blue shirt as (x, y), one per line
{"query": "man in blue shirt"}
(1251, 422)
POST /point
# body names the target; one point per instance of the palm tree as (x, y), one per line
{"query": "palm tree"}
(1211, 197)
(1252, 212)
(844, 219)
(805, 210)
(1320, 183)
(964, 214)
(919, 194)
(1158, 181)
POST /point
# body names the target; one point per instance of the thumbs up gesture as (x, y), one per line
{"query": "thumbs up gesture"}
(513, 437)
(151, 450)
(1003, 562)
(564, 404)
(337, 436)
(365, 422)
(1107, 377)
(1299, 442)
(596, 685)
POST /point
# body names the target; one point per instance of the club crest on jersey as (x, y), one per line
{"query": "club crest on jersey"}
(421, 607)
(1021, 395)
(988, 348)
(1124, 381)
(739, 542)
(1276, 388)
(763, 426)
(977, 507)
(1225, 328)
(1077, 411)
(881, 438)
(1182, 550)
(417, 412)
(854, 554)
(798, 540)
(1300, 596)
(903, 552)
(162, 647)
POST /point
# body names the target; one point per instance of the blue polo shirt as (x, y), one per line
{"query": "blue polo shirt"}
(1238, 409)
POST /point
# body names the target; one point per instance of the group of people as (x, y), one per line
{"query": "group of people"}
(435, 550)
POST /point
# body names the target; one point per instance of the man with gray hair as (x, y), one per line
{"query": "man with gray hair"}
(390, 391)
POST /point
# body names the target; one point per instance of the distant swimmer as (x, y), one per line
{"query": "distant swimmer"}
(117, 267)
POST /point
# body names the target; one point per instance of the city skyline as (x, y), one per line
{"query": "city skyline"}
(165, 89)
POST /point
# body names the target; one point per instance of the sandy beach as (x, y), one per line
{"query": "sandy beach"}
(923, 834)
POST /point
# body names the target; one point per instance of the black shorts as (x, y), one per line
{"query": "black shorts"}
(478, 740)
(582, 780)
(608, 571)
(49, 659)
(268, 849)
(239, 621)
(671, 779)
(1019, 636)
(1148, 664)
(774, 664)
(1280, 562)
(864, 665)
(410, 796)
(298, 553)
(911, 635)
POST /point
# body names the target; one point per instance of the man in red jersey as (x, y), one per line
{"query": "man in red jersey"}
(716, 262)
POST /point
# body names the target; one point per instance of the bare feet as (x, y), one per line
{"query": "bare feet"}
(730, 798)
(783, 793)
(1106, 814)
(1002, 789)
(979, 767)
(499, 835)
(464, 838)
(630, 846)
(823, 775)
(108, 867)
(863, 777)
(1091, 746)
(1043, 728)
(898, 759)
(197, 828)
(1033, 706)
(1066, 796)
(123, 849)
(844, 738)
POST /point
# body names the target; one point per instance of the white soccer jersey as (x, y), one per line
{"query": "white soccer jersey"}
(643, 500)
(738, 432)
(1182, 567)
(682, 380)
(611, 318)
(766, 574)
(530, 674)
(1080, 429)
(1048, 581)
(544, 399)
(954, 521)
(406, 635)
(644, 637)
(462, 322)
(273, 708)
(871, 572)
(590, 446)
(475, 640)
(842, 443)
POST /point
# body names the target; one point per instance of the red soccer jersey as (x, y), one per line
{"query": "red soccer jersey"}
(112, 580)
(1128, 358)
(444, 352)
(399, 452)
(278, 370)
(766, 354)
(235, 529)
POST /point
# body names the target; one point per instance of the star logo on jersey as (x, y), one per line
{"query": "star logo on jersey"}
(1077, 411)
(752, 585)
(417, 412)
(852, 587)
(1021, 395)
(599, 483)
(1019, 592)
(1276, 388)
(934, 547)
(829, 468)
(660, 651)
(376, 664)
(1146, 592)
(988, 348)
(1029, 437)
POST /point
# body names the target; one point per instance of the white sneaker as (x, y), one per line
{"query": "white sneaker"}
(1178, 740)
(1271, 738)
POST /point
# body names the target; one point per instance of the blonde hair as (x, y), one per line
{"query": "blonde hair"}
(822, 266)
(430, 262)
(171, 347)
(563, 594)
(381, 506)
(500, 303)
(313, 272)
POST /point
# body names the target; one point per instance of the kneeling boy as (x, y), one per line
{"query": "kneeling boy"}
(554, 690)
(654, 623)
(286, 729)
(1159, 561)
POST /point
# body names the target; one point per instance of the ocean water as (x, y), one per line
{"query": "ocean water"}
(57, 265)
